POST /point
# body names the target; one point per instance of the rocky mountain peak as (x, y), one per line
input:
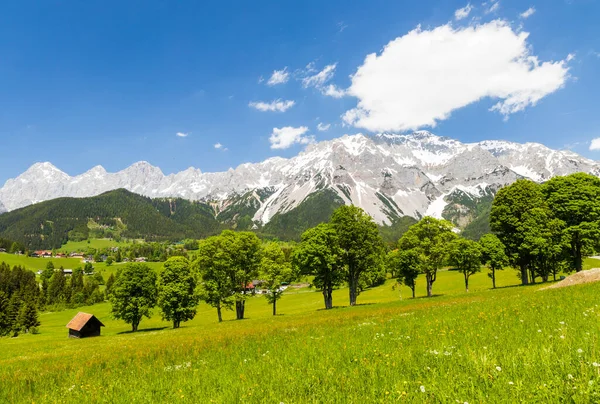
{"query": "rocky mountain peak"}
(388, 175)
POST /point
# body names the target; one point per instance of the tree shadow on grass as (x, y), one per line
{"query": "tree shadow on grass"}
(345, 307)
(422, 297)
(550, 282)
(143, 330)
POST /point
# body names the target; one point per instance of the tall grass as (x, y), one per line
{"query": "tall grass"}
(513, 344)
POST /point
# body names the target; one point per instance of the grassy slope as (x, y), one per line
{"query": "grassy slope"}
(67, 263)
(450, 344)
(97, 243)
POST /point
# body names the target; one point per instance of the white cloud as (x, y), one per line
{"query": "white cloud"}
(323, 127)
(181, 134)
(333, 91)
(420, 78)
(274, 106)
(279, 77)
(527, 13)
(218, 146)
(494, 5)
(595, 145)
(283, 138)
(463, 12)
(319, 79)
(310, 68)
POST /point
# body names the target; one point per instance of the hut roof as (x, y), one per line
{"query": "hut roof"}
(80, 320)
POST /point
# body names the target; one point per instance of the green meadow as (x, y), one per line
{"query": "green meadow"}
(67, 263)
(512, 344)
(97, 243)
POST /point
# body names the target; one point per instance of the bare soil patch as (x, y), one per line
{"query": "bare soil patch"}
(591, 275)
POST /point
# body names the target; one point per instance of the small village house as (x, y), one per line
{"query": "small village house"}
(42, 254)
(84, 325)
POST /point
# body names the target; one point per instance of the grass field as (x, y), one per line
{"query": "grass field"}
(97, 243)
(513, 344)
(67, 263)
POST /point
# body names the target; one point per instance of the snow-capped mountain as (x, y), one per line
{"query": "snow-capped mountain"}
(387, 175)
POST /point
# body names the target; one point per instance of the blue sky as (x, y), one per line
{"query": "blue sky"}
(112, 83)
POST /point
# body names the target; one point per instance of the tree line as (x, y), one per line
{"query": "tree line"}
(222, 275)
(59, 290)
(548, 228)
(226, 268)
(19, 300)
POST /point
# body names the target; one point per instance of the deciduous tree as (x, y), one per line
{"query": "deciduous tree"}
(177, 294)
(134, 294)
(575, 199)
(507, 216)
(361, 245)
(244, 249)
(465, 255)
(406, 267)
(319, 255)
(274, 271)
(213, 264)
(429, 239)
(493, 255)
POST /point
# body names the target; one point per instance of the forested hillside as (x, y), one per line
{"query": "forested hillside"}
(117, 213)
(123, 214)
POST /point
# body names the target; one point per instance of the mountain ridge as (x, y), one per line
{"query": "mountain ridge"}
(388, 175)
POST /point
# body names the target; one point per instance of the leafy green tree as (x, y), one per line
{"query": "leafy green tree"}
(177, 294)
(109, 261)
(361, 244)
(405, 265)
(109, 284)
(509, 210)
(99, 278)
(88, 268)
(213, 264)
(319, 255)
(429, 239)
(575, 199)
(118, 256)
(465, 255)
(133, 294)
(274, 271)
(244, 249)
(544, 240)
(493, 255)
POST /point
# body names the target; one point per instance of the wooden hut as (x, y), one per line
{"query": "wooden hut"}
(84, 325)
